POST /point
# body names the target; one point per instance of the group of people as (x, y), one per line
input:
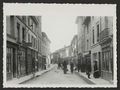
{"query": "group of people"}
(73, 67)
(64, 64)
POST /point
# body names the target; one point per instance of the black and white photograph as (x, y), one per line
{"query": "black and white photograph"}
(59, 45)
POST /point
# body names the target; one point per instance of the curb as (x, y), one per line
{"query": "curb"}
(36, 76)
(85, 78)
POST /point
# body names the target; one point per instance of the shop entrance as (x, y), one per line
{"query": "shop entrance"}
(14, 64)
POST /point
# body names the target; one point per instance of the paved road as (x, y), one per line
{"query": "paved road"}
(56, 77)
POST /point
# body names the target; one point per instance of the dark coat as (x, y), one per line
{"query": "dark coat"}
(71, 65)
(64, 65)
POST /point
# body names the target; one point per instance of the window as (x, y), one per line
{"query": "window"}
(98, 32)
(28, 21)
(87, 44)
(32, 41)
(32, 25)
(23, 34)
(12, 26)
(93, 37)
(87, 28)
(18, 31)
(23, 18)
(28, 37)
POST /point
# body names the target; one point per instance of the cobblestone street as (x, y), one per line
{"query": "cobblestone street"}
(57, 77)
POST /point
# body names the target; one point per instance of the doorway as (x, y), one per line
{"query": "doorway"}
(99, 62)
(14, 63)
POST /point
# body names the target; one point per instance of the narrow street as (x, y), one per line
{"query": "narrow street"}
(57, 77)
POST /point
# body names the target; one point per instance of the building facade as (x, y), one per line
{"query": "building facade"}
(95, 43)
(74, 49)
(84, 41)
(106, 42)
(95, 46)
(22, 45)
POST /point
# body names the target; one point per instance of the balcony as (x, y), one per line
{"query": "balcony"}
(104, 34)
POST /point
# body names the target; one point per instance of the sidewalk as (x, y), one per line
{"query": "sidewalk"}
(97, 81)
(28, 77)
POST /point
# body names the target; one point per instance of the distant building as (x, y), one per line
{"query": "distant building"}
(62, 54)
(45, 50)
(55, 57)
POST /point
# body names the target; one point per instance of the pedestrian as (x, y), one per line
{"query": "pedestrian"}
(65, 67)
(96, 71)
(59, 65)
(78, 67)
(71, 66)
(88, 69)
(33, 66)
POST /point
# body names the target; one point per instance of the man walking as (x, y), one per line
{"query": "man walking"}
(88, 70)
(71, 66)
(65, 67)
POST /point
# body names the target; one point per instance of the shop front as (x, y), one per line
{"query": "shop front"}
(87, 60)
(44, 62)
(21, 61)
(29, 61)
(80, 61)
(96, 57)
(11, 60)
(107, 59)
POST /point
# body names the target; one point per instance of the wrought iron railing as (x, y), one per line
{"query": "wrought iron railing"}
(104, 34)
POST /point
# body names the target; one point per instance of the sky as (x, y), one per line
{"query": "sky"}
(60, 30)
